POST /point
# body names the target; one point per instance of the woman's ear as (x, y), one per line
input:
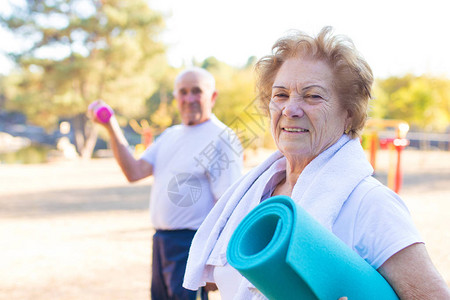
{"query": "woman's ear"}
(348, 122)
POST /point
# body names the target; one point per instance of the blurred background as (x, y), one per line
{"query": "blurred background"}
(72, 228)
(59, 56)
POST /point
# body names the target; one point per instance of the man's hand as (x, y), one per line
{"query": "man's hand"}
(210, 287)
(99, 112)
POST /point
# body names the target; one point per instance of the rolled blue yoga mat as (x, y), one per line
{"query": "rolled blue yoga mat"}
(286, 254)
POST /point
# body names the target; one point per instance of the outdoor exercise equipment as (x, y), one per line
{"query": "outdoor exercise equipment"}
(395, 145)
(144, 129)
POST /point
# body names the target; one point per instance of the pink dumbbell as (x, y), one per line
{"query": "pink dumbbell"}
(102, 111)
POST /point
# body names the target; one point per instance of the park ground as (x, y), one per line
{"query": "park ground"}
(77, 230)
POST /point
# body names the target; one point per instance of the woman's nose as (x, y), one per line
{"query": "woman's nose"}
(293, 109)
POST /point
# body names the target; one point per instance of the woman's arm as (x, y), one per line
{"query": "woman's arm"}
(412, 275)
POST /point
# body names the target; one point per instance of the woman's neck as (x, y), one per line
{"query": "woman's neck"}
(293, 170)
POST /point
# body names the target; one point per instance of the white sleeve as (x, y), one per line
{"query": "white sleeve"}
(383, 226)
(151, 152)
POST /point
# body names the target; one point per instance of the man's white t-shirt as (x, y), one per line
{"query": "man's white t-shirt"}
(192, 167)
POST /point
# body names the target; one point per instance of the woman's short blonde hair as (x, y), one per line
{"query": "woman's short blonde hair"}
(353, 77)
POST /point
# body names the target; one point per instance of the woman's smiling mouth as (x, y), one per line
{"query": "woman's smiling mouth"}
(294, 129)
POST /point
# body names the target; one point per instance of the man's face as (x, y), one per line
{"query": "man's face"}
(195, 97)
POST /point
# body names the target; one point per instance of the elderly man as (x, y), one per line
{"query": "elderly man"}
(193, 164)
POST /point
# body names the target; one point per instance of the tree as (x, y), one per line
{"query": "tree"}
(162, 105)
(236, 105)
(422, 101)
(78, 51)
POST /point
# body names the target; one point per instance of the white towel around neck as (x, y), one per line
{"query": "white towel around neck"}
(321, 189)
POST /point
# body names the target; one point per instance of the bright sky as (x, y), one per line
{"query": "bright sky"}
(395, 36)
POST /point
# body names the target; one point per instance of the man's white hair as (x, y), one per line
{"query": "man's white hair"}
(200, 71)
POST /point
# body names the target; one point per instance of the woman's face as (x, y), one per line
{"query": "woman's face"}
(306, 115)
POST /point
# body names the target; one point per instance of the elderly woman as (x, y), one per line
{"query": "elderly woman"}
(317, 91)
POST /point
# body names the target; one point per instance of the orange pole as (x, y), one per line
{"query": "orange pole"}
(391, 169)
(398, 171)
(394, 178)
(373, 150)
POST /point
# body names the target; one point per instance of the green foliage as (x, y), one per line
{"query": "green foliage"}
(423, 102)
(32, 154)
(111, 52)
(235, 104)
(161, 106)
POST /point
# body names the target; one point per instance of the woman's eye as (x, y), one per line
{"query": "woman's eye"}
(280, 95)
(313, 96)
